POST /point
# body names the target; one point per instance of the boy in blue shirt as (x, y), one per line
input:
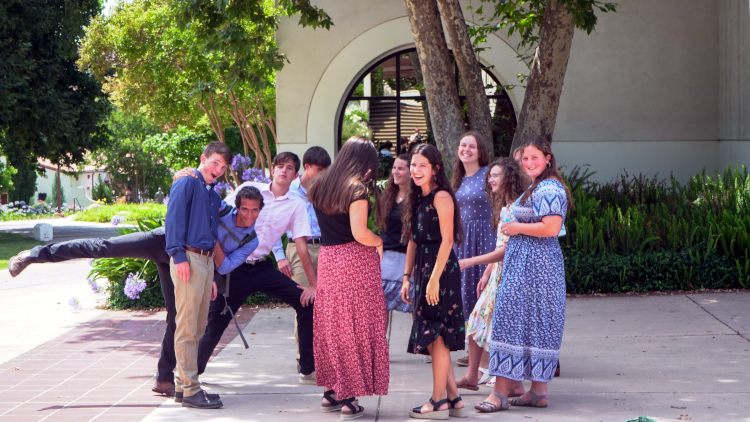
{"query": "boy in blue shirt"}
(191, 226)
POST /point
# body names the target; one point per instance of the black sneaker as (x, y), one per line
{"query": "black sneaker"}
(201, 401)
(178, 395)
(19, 263)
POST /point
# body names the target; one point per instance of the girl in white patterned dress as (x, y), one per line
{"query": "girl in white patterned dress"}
(504, 183)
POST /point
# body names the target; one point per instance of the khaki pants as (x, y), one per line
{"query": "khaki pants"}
(299, 276)
(298, 273)
(192, 299)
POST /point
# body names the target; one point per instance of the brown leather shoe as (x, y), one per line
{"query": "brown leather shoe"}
(164, 387)
(18, 263)
(464, 361)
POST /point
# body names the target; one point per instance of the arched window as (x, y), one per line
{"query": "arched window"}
(388, 104)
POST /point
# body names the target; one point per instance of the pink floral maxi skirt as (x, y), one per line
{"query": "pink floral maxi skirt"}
(349, 337)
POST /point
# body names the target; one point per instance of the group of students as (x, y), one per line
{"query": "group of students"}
(442, 233)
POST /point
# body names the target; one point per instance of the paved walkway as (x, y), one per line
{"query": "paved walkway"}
(672, 357)
(682, 357)
(63, 229)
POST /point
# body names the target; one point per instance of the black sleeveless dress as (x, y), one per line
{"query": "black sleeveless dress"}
(446, 319)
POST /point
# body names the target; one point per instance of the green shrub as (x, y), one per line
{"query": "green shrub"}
(102, 192)
(640, 234)
(131, 212)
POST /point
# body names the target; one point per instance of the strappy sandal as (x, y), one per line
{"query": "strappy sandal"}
(532, 403)
(457, 413)
(436, 414)
(333, 404)
(467, 386)
(489, 407)
(357, 412)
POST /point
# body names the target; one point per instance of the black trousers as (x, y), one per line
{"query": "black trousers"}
(145, 245)
(246, 280)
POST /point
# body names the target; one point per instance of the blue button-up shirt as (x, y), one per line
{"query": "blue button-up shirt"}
(192, 216)
(234, 256)
(296, 189)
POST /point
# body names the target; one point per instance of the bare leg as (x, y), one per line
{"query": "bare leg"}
(472, 371)
(485, 361)
(451, 388)
(441, 365)
(516, 388)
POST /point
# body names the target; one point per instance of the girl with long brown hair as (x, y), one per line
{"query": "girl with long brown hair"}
(469, 173)
(505, 183)
(431, 225)
(394, 250)
(527, 325)
(351, 350)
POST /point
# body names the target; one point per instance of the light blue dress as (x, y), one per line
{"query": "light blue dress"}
(479, 239)
(529, 319)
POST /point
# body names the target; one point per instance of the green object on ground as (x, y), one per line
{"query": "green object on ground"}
(642, 419)
(11, 244)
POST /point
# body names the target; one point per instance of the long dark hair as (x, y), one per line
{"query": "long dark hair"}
(551, 172)
(458, 167)
(513, 185)
(388, 197)
(414, 195)
(351, 175)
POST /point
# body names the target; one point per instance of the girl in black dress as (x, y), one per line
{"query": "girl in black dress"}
(432, 224)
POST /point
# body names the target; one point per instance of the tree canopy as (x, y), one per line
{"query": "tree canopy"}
(49, 108)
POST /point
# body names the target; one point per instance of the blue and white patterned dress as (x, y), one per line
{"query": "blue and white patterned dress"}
(527, 326)
(479, 239)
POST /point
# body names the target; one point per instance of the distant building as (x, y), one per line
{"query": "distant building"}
(78, 187)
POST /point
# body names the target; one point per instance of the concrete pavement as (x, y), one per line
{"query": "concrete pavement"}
(34, 306)
(63, 229)
(676, 357)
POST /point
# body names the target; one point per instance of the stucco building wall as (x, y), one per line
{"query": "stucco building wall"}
(660, 87)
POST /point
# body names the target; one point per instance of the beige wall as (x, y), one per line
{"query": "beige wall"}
(653, 90)
(734, 82)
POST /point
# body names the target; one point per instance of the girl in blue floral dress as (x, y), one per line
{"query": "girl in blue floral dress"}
(432, 224)
(529, 318)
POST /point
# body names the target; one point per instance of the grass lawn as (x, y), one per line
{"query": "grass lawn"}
(11, 244)
(130, 212)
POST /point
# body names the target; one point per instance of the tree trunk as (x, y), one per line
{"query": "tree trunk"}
(478, 106)
(439, 80)
(136, 191)
(539, 110)
(59, 194)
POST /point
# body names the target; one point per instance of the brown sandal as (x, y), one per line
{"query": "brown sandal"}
(469, 387)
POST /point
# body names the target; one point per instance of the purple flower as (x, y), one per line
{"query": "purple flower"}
(166, 200)
(117, 219)
(134, 285)
(74, 303)
(240, 163)
(223, 188)
(255, 175)
(93, 285)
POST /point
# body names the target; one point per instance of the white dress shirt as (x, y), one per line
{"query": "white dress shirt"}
(285, 213)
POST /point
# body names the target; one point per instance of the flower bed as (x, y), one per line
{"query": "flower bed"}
(19, 210)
